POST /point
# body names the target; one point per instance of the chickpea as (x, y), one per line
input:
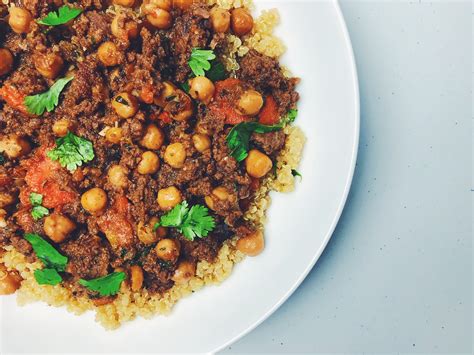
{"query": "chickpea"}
(109, 54)
(149, 164)
(168, 250)
(6, 199)
(20, 20)
(9, 281)
(6, 61)
(117, 176)
(94, 200)
(183, 4)
(219, 193)
(136, 278)
(251, 245)
(124, 28)
(49, 65)
(162, 4)
(201, 142)
(185, 272)
(146, 233)
(160, 19)
(220, 20)
(258, 164)
(125, 105)
(175, 155)
(62, 127)
(250, 103)
(241, 22)
(124, 3)
(166, 93)
(114, 135)
(58, 227)
(202, 89)
(153, 138)
(14, 146)
(168, 198)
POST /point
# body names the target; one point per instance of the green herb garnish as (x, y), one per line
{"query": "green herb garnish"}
(37, 104)
(238, 139)
(192, 222)
(296, 173)
(199, 62)
(217, 71)
(46, 252)
(47, 277)
(38, 211)
(36, 199)
(2, 159)
(106, 286)
(71, 151)
(290, 116)
(62, 16)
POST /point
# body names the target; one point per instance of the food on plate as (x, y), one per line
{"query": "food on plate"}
(139, 141)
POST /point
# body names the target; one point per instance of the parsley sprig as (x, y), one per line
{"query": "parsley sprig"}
(48, 100)
(105, 286)
(71, 151)
(199, 62)
(51, 258)
(194, 222)
(62, 16)
(38, 211)
(238, 139)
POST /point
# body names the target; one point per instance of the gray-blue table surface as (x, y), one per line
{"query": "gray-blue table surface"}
(397, 274)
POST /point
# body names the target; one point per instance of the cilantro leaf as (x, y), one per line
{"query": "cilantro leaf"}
(2, 159)
(199, 61)
(71, 151)
(36, 199)
(296, 173)
(62, 16)
(48, 100)
(192, 222)
(48, 277)
(38, 212)
(46, 252)
(106, 286)
(197, 223)
(238, 139)
(217, 71)
(290, 116)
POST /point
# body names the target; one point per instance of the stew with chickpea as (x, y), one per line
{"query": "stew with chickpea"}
(128, 152)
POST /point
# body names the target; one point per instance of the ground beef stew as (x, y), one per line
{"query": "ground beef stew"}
(129, 153)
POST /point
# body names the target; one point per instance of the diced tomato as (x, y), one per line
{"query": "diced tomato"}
(43, 176)
(226, 84)
(116, 224)
(147, 93)
(14, 98)
(221, 104)
(269, 113)
(165, 117)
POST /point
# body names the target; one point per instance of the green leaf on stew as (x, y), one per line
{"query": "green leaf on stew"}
(47, 277)
(46, 252)
(106, 286)
(199, 62)
(62, 16)
(48, 100)
(71, 151)
(296, 173)
(238, 139)
(38, 212)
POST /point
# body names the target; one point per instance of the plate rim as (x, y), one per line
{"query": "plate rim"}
(342, 204)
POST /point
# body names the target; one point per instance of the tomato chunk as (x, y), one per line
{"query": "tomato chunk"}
(116, 223)
(14, 98)
(47, 178)
(269, 114)
(222, 104)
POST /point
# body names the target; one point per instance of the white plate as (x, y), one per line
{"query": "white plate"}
(300, 224)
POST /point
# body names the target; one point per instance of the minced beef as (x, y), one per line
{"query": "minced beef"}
(122, 235)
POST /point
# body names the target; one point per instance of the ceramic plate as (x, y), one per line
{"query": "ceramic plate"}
(299, 224)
